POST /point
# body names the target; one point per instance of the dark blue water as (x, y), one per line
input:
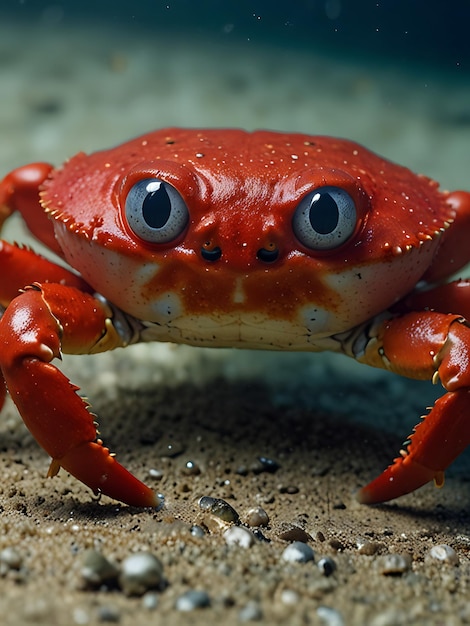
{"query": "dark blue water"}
(407, 31)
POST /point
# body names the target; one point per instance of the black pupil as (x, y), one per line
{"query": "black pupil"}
(156, 208)
(324, 214)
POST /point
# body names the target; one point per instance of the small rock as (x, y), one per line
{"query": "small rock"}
(79, 616)
(150, 600)
(264, 464)
(260, 536)
(444, 554)
(251, 612)
(330, 617)
(108, 614)
(239, 536)
(191, 468)
(11, 558)
(326, 565)
(97, 570)
(197, 531)
(156, 474)
(298, 552)
(289, 597)
(337, 544)
(393, 564)
(368, 548)
(290, 532)
(256, 517)
(289, 489)
(219, 508)
(139, 573)
(193, 599)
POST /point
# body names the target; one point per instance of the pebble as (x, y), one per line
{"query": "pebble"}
(10, 558)
(12, 565)
(197, 531)
(108, 614)
(260, 536)
(239, 536)
(289, 597)
(369, 548)
(289, 489)
(290, 532)
(156, 474)
(256, 516)
(330, 617)
(264, 464)
(219, 508)
(80, 616)
(251, 612)
(191, 468)
(139, 573)
(393, 564)
(150, 600)
(298, 552)
(444, 554)
(97, 570)
(193, 599)
(326, 565)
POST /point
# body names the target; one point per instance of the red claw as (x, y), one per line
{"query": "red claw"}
(436, 442)
(31, 336)
(92, 463)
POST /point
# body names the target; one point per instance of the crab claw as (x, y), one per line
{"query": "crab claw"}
(92, 463)
(435, 444)
(31, 337)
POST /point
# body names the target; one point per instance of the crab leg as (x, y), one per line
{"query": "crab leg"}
(22, 266)
(425, 345)
(19, 191)
(36, 326)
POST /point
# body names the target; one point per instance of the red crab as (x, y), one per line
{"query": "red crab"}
(227, 238)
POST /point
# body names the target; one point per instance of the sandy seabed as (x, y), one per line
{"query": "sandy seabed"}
(329, 424)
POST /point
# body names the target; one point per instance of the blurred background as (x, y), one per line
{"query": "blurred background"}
(392, 74)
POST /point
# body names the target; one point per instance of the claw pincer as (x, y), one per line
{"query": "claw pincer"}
(441, 351)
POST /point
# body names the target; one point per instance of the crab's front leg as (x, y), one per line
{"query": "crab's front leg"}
(425, 345)
(36, 326)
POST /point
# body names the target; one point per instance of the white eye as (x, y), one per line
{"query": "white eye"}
(155, 211)
(325, 218)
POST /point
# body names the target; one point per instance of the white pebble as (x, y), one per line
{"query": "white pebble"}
(11, 558)
(80, 616)
(140, 572)
(298, 552)
(193, 599)
(445, 554)
(393, 564)
(330, 617)
(239, 536)
(251, 612)
(289, 597)
(150, 601)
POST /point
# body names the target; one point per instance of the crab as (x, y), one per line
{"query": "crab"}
(256, 240)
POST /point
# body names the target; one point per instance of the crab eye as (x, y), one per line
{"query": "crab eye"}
(325, 218)
(155, 211)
